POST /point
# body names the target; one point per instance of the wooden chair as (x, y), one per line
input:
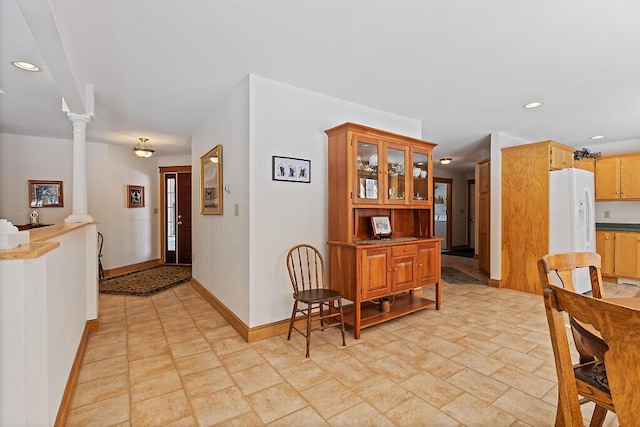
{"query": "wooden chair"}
(585, 377)
(320, 304)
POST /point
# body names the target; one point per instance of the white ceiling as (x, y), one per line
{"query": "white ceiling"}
(462, 67)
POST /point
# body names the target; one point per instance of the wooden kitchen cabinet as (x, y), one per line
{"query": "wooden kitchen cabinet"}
(627, 254)
(605, 246)
(377, 173)
(525, 210)
(588, 164)
(618, 177)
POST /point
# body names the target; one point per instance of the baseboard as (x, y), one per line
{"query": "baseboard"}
(249, 334)
(495, 283)
(63, 410)
(133, 267)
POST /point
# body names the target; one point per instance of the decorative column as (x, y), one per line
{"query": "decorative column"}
(79, 211)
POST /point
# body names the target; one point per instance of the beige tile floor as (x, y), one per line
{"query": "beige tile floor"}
(172, 360)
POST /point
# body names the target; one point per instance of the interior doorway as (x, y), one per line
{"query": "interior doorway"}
(175, 187)
(442, 193)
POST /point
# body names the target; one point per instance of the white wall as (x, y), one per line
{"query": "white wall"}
(241, 259)
(131, 235)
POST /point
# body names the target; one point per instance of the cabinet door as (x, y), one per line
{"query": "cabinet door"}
(560, 158)
(630, 177)
(404, 268)
(605, 246)
(375, 273)
(428, 263)
(627, 253)
(484, 236)
(608, 178)
(367, 185)
(420, 176)
(396, 178)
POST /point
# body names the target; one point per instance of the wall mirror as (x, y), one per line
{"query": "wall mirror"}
(211, 182)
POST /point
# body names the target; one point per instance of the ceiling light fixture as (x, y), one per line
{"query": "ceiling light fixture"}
(531, 105)
(143, 148)
(597, 137)
(445, 161)
(26, 66)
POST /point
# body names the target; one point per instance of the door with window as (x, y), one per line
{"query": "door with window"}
(176, 214)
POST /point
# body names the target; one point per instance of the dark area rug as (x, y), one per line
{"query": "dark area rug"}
(146, 282)
(454, 276)
(467, 253)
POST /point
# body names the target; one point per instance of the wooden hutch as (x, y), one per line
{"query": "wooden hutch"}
(377, 173)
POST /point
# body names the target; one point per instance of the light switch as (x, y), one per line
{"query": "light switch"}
(236, 209)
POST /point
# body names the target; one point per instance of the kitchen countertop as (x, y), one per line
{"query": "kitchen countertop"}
(606, 226)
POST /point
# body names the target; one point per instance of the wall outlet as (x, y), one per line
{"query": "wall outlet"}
(236, 209)
(607, 214)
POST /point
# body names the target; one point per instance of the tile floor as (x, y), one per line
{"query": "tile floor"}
(172, 360)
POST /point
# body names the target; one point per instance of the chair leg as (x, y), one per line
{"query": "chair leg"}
(309, 309)
(344, 343)
(293, 318)
(599, 413)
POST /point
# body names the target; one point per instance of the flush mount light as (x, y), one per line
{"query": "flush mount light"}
(143, 148)
(26, 66)
(445, 161)
(597, 137)
(531, 105)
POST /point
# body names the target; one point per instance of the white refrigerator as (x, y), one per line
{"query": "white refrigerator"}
(572, 225)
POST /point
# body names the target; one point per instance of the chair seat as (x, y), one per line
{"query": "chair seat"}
(593, 374)
(317, 295)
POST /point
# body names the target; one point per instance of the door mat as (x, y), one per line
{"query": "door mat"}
(454, 276)
(146, 282)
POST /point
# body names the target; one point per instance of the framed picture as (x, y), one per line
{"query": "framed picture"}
(135, 196)
(290, 169)
(211, 182)
(45, 194)
(381, 226)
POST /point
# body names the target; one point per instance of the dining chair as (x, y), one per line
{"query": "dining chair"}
(311, 297)
(618, 328)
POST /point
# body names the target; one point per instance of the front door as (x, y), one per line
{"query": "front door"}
(176, 214)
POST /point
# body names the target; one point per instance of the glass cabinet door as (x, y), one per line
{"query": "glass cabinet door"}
(367, 183)
(420, 176)
(396, 178)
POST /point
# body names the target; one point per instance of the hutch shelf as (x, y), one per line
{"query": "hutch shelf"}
(378, 173)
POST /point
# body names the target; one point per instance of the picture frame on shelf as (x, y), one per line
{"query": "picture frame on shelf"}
(211, 182)
(290, 169)
(135, 196)
(45, 194)
(381, 226)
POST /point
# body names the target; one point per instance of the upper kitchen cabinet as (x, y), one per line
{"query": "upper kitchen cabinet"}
(618, 177)
(560, 155)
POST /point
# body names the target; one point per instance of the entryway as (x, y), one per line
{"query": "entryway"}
(175, 187)
(442, 210)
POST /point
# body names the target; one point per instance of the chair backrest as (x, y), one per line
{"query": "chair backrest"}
(565, 263)
(619, 327)
(306, 268)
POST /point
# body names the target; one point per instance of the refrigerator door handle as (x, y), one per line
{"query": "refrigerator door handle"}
(590, 228)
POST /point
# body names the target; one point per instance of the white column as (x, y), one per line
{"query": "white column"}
(79, 211)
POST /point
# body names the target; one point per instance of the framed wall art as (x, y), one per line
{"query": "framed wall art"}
(45, 194)
(135, 196)
(290, 169)
(211, 182)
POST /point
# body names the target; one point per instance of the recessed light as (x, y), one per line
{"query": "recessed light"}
(27, 66)
(531, 105)
(597, 137)
(445, 161)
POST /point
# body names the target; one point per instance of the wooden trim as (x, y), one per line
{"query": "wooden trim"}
(613, 279)
(248, 334)
(495, 283)
(164, 169)
(132, 267)
(65, 404)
